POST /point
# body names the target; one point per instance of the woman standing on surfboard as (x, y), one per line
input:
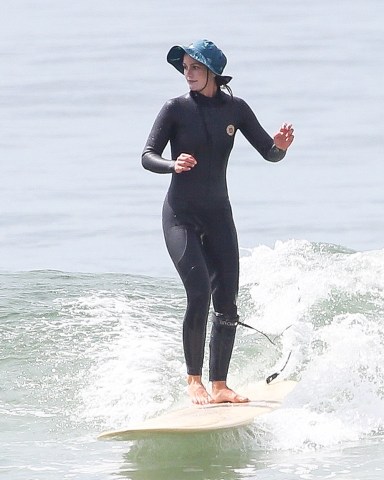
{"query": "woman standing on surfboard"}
(197, 219)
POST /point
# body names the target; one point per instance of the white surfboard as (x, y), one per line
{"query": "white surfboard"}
(212, 417)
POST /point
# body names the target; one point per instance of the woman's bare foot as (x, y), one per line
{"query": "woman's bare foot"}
(197, 391)
(221, 394)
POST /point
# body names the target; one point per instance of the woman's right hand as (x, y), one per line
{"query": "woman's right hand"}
(184, 163)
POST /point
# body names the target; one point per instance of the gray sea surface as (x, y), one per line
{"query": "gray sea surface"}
(81, 83)
(85, 277)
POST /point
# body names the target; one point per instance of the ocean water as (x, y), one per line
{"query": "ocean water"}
(83, 353)
(90, 306)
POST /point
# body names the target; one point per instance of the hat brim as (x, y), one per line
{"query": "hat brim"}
(176, 57)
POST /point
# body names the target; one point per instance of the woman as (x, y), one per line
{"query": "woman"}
(197, 220)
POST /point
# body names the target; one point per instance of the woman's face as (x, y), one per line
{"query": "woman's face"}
(198, 76)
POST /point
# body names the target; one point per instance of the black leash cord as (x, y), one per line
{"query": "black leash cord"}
(258, 331)
(262, 333)
(276, 374)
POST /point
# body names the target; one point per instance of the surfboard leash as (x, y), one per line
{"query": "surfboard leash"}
(271, 377)
(264, 334)
(276, 374)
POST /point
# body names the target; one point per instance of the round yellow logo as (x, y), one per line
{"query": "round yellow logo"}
(231, 130)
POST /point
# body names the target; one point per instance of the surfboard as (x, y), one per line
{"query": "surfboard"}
(211, 417)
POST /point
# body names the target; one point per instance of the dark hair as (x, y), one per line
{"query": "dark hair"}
(222, 82)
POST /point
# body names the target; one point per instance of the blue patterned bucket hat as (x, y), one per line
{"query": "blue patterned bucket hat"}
(205, 52)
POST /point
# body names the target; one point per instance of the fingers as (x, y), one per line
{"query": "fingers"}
(184, 163)
(287, 129)
(285, 136)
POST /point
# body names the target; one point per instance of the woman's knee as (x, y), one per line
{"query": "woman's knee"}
(198, 292)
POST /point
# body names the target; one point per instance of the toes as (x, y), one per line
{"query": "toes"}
(229, 396)
(241, 399)
(198, 394)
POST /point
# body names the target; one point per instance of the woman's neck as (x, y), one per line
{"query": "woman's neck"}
(210, 90)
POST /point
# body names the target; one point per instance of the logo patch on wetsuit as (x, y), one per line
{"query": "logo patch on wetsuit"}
(231, 130)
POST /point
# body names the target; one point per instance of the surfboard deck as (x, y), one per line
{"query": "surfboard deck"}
(212, 417)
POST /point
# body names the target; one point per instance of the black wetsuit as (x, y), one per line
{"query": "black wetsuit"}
(197, 219)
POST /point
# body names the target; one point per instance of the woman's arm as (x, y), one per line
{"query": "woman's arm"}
(271, 149)
(158, 138)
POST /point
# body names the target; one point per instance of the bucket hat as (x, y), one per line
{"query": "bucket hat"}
(205, 52)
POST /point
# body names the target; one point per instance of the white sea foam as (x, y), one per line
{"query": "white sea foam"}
(138, 365)
(330, 298)
(334, 301)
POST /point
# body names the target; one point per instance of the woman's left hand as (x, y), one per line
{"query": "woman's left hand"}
(284, 137)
